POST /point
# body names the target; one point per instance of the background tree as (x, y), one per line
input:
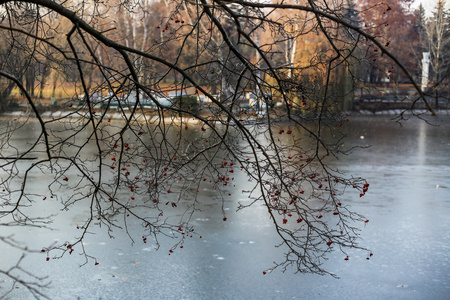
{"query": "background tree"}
(436, 39)
(391, 21)
(153, 161)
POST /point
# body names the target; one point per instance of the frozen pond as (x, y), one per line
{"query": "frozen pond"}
(408, 205)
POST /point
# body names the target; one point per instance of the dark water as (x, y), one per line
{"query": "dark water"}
(408, 205)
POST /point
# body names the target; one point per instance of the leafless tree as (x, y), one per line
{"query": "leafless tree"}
(127, 149)
(437, 40)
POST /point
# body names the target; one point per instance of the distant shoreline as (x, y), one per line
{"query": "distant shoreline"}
(139, 116)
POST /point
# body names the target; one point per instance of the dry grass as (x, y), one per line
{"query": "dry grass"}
(61, 92)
